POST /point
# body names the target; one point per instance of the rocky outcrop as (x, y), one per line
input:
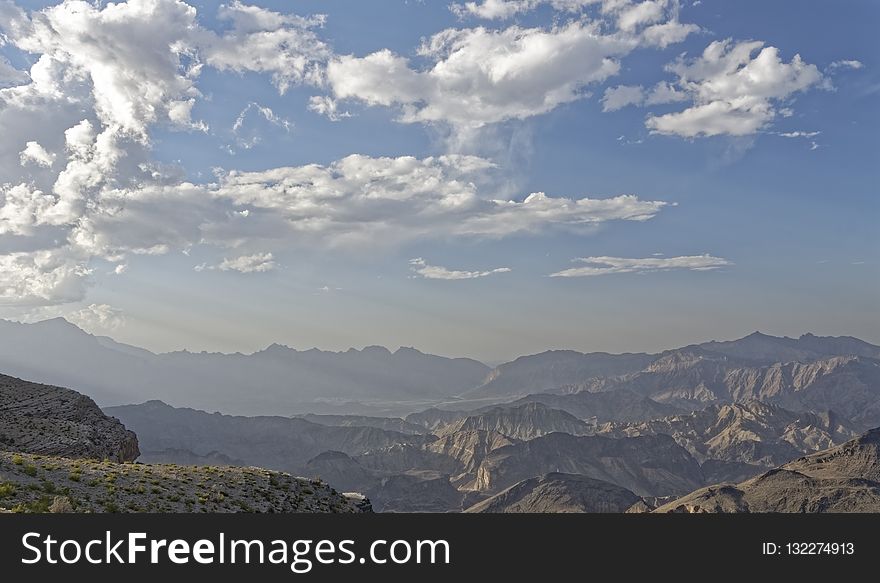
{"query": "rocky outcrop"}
(555, 368)
(416, 491)
(845, 478)
(647, 466)
(386, 423)
(559, 493)
(36, 483)
(523, 422)
(618, 405)
(49, 420)
(752, 432)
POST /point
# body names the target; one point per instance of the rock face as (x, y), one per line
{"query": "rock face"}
(845, 478)
(279, 443)
(693, 377)
(559, 493)
(553, 369)
(416, 491)
(49, 420)
(525, 421)
(386, 423)
(618, 405)
(647, 466)
(751, 432)
(31, 483)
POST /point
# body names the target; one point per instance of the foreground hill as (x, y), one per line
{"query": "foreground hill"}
(560, 493)
(845, 478)
(277, 379)
(49, 420)
(33, 483)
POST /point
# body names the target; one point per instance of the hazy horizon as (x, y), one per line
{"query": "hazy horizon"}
(485, 179)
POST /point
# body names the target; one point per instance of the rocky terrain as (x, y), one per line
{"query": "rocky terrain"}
(556, 432)
(648, 466)
(561, 493)
(845, 478)
(750, 432)
(60, 453)
(555, 368)
(49, 420)
(524, 422)
(37, 483)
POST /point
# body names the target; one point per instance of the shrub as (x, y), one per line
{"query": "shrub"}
(7, 490)
(30, 470)
(17, 460)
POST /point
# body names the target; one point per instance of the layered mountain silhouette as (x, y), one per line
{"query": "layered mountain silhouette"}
(266, 382)
(758, 424)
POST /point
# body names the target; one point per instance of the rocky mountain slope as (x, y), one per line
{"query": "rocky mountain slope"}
(555, 368)
(845, 478)
(49, 420)
(647, 466)
(525, 421)
(693, 377)
(559, 493)
(618, 405)
(751, 432)
(35, 483)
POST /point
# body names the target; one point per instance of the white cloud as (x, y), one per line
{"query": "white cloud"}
(504, 9)
(97, 318)
(481, 76)
(732, 91)
(625, 95)
(283, 45)
(257, 263)
(594, 266)
(845, 64)
(359, 199)
(421, 267)
(42, 277)
(34, 153)
(798, 134)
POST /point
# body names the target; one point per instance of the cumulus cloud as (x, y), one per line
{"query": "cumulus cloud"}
(360, 198)
(34, 153)
(734, 91)
(593, 266)
(503, 9)
(481, 76)
(422, 269)
(257, 263)
(283, 45)
(42, 277)
(103, 76)
(97, 318)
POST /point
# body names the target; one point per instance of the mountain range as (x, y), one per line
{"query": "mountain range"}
(724, 425)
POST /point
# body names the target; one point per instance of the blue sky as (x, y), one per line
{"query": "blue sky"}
(763, 171)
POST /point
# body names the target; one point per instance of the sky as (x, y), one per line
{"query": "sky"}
(485, 179)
